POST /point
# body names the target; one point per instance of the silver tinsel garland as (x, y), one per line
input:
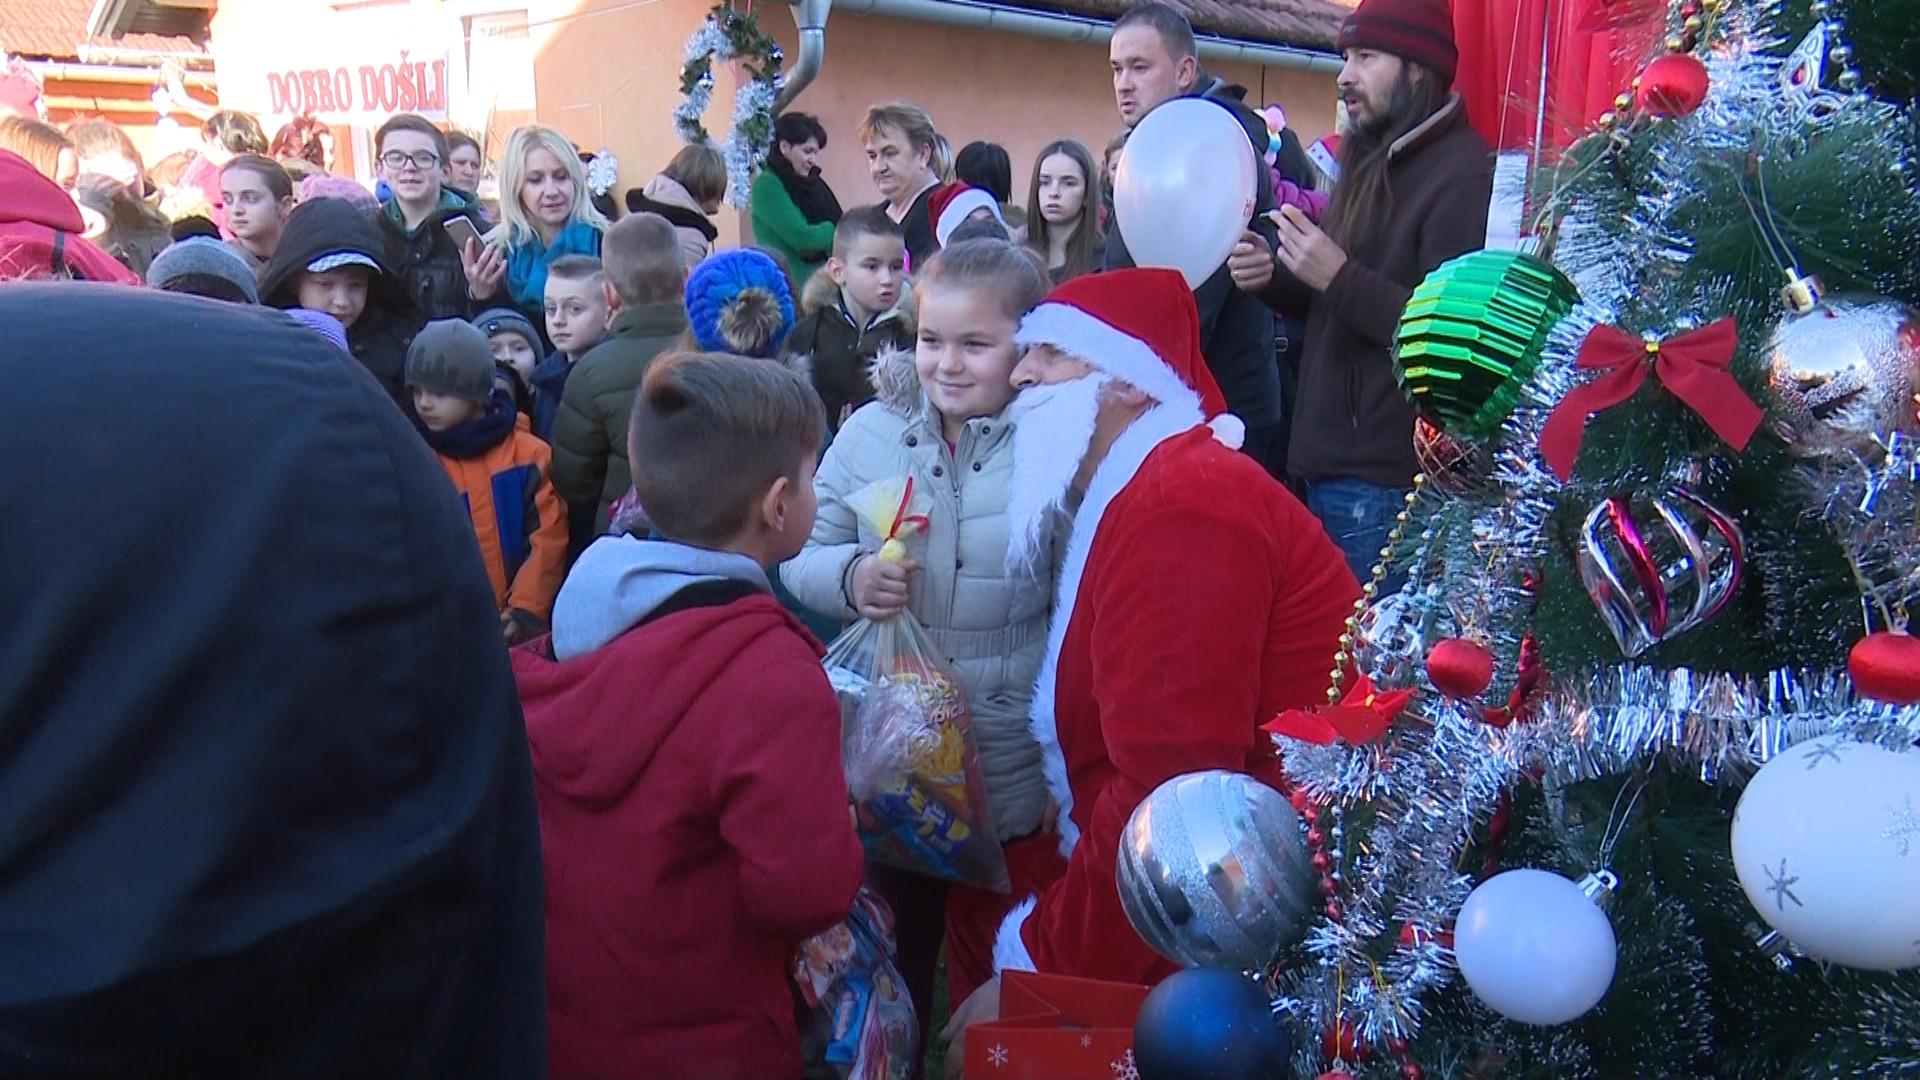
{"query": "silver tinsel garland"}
(753, 102)
(1872, 508)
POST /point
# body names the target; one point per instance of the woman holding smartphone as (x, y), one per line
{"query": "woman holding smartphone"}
(545, 214)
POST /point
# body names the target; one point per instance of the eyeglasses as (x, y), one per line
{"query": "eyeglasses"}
(424, 160)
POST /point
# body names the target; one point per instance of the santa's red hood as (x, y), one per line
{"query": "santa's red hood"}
(25, 195)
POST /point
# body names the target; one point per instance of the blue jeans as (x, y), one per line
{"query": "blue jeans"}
(1358, 516)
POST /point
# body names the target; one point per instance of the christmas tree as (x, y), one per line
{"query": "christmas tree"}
(1666, 535)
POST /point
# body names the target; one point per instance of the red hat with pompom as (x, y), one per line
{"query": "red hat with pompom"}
(1141, 327)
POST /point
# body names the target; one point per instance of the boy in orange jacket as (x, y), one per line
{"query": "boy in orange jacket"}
(498, 468)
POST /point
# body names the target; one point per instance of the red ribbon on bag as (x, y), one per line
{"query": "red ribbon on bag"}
(902, 519)
(1692, 367)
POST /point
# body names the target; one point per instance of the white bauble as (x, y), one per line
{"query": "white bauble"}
(1826, 842)
(1534, 948)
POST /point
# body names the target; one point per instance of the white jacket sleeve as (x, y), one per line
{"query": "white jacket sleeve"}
(816, 574)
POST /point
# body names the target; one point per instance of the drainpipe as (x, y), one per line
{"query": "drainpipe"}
(109, 54)
(810, 18)
(990, 16)
(109, 73)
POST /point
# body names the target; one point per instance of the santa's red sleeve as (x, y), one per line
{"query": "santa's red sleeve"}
(1181, 601)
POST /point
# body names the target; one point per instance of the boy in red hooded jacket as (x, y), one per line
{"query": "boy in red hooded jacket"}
(686, 747)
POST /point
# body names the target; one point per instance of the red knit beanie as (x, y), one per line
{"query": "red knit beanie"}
(1416, 30)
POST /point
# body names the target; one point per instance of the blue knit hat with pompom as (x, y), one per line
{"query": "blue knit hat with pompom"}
(721, 301)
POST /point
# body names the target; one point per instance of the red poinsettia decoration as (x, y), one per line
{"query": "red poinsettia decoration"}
(1362, 717)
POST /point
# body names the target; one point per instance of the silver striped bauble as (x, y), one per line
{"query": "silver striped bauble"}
(1214, 871)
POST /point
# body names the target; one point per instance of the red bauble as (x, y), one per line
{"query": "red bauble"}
(1342, 1042)
(1672, 86)
(1452, 465)
(1335, 1074)
(1460, 669)
(1885, 666)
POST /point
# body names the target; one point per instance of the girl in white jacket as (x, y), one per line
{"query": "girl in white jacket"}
(943, 421)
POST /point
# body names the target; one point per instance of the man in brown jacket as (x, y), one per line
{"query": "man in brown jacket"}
(1415, 181)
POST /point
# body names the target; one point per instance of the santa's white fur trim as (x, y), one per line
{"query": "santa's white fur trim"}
(1009, 952)
(1115, 352)
(966, 202)
(1154, 427)
(1229, 430)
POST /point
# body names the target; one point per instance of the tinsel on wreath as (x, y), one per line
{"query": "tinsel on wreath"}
(731, 36)
(1665, 224)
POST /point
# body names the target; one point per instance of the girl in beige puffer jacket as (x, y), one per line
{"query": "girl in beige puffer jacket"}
(940, 418)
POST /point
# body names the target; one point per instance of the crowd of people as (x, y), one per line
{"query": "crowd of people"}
(1152, 509)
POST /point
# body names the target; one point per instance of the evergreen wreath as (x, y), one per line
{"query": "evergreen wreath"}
(732, 36)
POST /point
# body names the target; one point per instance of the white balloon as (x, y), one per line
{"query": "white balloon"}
(1185, 188)
(1534, 948)
(1826, 843)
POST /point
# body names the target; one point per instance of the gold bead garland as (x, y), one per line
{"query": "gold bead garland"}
(1371, 589)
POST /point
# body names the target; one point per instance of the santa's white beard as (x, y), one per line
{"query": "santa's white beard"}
(1052, 428)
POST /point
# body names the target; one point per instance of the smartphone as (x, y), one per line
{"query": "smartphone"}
(462, 231)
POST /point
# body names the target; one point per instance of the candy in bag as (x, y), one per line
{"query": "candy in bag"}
(858, 1022)
(912, 767)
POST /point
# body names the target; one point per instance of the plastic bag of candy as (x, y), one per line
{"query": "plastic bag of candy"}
(913, 769)
(858, 1022)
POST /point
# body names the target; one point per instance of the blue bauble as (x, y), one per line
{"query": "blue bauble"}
(1210, 1024)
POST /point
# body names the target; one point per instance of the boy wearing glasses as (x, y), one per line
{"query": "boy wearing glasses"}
(413, 157)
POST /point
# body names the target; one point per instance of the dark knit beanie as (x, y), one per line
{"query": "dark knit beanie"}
(1416, 30)
(452, 357)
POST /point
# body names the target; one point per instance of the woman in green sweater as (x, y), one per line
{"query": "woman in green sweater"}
(793, 209)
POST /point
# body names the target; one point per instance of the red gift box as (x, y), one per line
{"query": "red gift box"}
(1055, 1027)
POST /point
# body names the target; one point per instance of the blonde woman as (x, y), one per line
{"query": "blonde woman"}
(545, 214)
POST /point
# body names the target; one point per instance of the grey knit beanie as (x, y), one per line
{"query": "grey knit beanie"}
(505, 320)
(452, 357)
(204, 256)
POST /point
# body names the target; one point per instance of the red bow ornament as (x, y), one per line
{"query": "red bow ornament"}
(1692, 367)
(1362, 717)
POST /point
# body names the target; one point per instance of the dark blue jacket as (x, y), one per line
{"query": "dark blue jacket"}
(268, 808)
(549, 381)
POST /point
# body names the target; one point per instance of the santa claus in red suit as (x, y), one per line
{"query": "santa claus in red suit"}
(1198, 598)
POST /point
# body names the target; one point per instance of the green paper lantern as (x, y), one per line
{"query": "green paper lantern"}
(1472, 336)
